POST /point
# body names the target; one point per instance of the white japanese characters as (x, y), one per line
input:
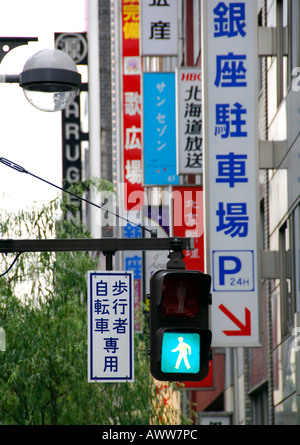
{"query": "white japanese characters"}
(159, 129)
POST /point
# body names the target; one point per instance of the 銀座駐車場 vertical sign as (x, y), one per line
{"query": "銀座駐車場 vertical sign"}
(229, 69)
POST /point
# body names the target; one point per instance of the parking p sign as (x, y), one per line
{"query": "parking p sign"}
(233, 271)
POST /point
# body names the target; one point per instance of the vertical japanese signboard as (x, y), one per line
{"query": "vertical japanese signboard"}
(110, 327)
(231, 168)
(158, 218)
(131, 82)
(188, 221)
(159, 129)
(159, 27)
(133, 261)
(75, 45)
(189, 120)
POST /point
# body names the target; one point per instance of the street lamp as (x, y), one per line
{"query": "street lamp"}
(49, 79)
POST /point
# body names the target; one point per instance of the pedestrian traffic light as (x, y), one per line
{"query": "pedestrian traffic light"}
(180, 338)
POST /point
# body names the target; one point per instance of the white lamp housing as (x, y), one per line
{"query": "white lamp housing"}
(50, 80)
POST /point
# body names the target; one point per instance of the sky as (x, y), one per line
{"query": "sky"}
(29, 137)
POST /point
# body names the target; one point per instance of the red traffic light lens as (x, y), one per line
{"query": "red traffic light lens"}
(180, 296)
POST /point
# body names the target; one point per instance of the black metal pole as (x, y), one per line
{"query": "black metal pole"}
(98, 244)
(109, 260)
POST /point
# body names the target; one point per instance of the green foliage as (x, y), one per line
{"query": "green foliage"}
(43, 372)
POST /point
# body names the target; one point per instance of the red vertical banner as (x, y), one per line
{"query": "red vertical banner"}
(132, 127)
(188, 222)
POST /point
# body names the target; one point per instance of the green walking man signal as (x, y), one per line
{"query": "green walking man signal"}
(185, 357)
(179, 320)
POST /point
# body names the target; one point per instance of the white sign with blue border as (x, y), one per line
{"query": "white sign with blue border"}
(229, 68)
(110, 326)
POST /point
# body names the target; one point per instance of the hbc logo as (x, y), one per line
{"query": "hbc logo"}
(191, 77)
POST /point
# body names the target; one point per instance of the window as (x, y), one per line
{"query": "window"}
(287, 296)
(288, 44)
(293, 11)
(259, 402)
(260, 59)
(282, 56)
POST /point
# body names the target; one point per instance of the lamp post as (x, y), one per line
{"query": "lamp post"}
(51, 82)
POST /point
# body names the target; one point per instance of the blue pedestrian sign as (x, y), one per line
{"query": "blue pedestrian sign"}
(180, 352)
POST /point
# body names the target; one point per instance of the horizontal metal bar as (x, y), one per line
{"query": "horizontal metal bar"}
(9, 78)
(21, 40)
(101, 244)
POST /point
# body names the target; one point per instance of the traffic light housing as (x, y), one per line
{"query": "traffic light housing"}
(180, 338)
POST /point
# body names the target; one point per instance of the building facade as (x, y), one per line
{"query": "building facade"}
(273, 385)
(261, 385)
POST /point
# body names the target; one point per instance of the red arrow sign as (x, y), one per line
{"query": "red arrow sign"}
(245, 329)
